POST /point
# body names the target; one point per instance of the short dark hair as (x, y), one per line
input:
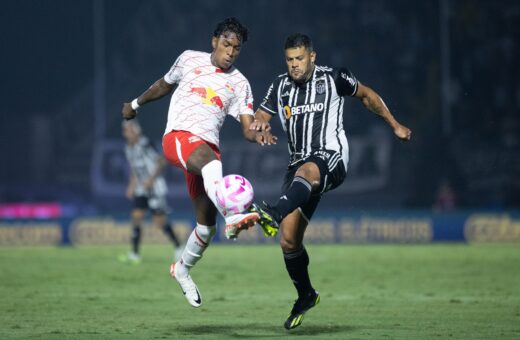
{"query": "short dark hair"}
(231, 25)
(298, 40)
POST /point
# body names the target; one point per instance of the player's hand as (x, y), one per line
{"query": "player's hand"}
(128, 112)
(130, 193)
(265, 137)
(258, 125)
(402, 132)
(148, 183)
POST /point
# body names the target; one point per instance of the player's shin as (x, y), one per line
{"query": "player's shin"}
(195, 246)
(212, 174)
(297, 263)
(136, 238)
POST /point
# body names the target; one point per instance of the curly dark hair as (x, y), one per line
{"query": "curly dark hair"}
(231, 25)
(298, 40)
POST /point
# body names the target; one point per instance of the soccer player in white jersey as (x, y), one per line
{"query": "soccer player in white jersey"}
(209, 87)
(146, 188)
(308, 100)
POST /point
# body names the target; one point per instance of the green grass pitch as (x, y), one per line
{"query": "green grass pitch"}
(368, 292)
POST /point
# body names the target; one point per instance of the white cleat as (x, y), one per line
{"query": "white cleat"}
(189, 288)
(238, 222)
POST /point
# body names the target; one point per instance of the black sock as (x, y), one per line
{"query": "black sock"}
(296, 196)
(136, 238)
(296, 263)
(171, 235)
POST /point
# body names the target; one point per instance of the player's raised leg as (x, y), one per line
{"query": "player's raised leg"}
(211, 171)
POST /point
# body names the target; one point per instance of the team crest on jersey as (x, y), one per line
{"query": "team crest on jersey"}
(230, 88)
(320, 87)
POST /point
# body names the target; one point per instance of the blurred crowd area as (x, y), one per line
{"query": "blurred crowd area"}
(447, 69)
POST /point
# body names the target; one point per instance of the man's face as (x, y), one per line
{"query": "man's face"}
(226, 49)
(300, 63)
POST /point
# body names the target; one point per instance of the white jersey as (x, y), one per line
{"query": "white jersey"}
(205, 95)
(143, 159)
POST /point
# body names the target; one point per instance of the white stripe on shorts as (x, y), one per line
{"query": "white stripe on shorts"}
(179, 153)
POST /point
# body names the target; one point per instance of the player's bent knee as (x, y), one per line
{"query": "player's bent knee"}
(289, 245)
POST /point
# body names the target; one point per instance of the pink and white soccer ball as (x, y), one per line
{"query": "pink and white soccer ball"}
(234, 194)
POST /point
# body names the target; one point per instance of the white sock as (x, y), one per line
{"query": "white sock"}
(212, 174)
(197, 242)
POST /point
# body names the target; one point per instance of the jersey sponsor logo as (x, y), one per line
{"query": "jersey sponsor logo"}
(320, 87)
(348, 78)
(302, 109)
(209, 96)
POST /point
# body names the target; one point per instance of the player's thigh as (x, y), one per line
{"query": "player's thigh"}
(205, 210)
(188, 151)
(159, 208)
(201, 156)
(293, 229)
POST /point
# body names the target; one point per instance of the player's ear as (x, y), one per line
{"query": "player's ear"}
(214, 41)
(313, 56)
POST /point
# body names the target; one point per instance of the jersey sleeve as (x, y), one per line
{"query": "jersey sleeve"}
(270, 102)
(346, 82)
(175, 73)
(242, 103)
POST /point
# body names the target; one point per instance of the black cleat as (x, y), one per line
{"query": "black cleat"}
(301, 306)
(267, 220)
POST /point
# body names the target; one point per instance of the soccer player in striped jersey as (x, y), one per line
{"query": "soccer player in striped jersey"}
(146, 188)
(308, 100)
(207, 89)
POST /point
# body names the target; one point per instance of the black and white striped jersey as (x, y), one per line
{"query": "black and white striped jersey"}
(143, 159)
(311, 113)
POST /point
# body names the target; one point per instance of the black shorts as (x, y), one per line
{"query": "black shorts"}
(157, 205)
(329, 180)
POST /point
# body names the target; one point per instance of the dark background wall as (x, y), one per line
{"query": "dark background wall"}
(447, 69)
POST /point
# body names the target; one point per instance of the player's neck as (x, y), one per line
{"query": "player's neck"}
(213, 62)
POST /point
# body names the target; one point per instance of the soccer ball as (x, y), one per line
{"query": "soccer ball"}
(234, 194)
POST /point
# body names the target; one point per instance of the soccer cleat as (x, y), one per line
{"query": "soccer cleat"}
(238, 222)
(301, 306)
(131, 257)
(267, 219)
(189, 288)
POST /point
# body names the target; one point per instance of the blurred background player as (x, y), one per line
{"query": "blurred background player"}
(146, 188)
(208, 88)
(309, 101)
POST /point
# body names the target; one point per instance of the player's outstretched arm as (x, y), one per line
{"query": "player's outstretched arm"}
(373, 102)
(131, 185)
(257, 129)
(158, 90)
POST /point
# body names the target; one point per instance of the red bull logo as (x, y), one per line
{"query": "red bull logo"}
(209, 96)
